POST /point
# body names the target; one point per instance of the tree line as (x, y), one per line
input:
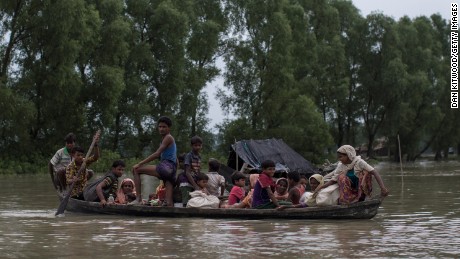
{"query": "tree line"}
(315, 73)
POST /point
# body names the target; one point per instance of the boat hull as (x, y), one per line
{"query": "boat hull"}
(362, 210)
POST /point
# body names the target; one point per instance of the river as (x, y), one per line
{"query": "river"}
(420, 219)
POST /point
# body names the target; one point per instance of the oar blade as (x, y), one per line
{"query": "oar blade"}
(63, 205)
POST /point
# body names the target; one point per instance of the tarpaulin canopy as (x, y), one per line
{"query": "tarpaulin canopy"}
(254, 152)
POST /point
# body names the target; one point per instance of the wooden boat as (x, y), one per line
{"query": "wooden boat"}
(362, 210)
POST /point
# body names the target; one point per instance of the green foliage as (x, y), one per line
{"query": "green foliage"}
(314, 73)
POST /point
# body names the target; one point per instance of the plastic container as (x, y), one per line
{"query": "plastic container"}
(111, 199)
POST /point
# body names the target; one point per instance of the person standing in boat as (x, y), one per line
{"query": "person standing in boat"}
(78, 155)
(166, 169)
(192, 167)
(354, 177)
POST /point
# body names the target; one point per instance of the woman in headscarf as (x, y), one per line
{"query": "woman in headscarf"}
(354, 177)
(127, 192)
(308, 199)
(281, 189)
(315, 181)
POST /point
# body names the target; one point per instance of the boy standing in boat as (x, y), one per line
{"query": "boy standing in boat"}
(166, 169)
(74, 166)
(192, 164)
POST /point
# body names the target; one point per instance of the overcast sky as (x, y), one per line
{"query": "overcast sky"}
(393, 8)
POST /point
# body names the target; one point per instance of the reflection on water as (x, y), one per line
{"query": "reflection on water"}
(419, 219)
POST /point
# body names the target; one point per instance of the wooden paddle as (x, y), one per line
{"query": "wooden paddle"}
(64, 202)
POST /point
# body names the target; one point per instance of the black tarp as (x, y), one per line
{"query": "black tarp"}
(254, 152)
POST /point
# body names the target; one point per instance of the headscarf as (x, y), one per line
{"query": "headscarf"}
(285, 195)
(311, 199)
(351, 153)
(120, 195)
(318, 178)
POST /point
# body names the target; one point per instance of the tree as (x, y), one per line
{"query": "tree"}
(381, 75)
(260, 76)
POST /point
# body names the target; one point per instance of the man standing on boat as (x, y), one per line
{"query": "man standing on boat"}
(166, 169)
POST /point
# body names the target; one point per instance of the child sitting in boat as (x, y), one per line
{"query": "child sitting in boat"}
(281, 189)
(127, 192)
(74, 167)
(247, 201)
(296, 190)
(308, 199)
(158, 197)
(201, 197)
(102, 188)
(216, 182)
(202, 183)
(304, 181)
(263, 197)
(237, 193)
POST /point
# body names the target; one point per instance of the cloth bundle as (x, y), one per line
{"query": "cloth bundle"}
(202, 200)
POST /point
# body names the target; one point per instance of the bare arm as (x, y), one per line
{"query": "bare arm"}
(51, 171)
(168, 140)
(383, 190)
(100, 194)
(222, 189)
(272, 196)
(294, 196)
(188, 174)
(97, 152)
